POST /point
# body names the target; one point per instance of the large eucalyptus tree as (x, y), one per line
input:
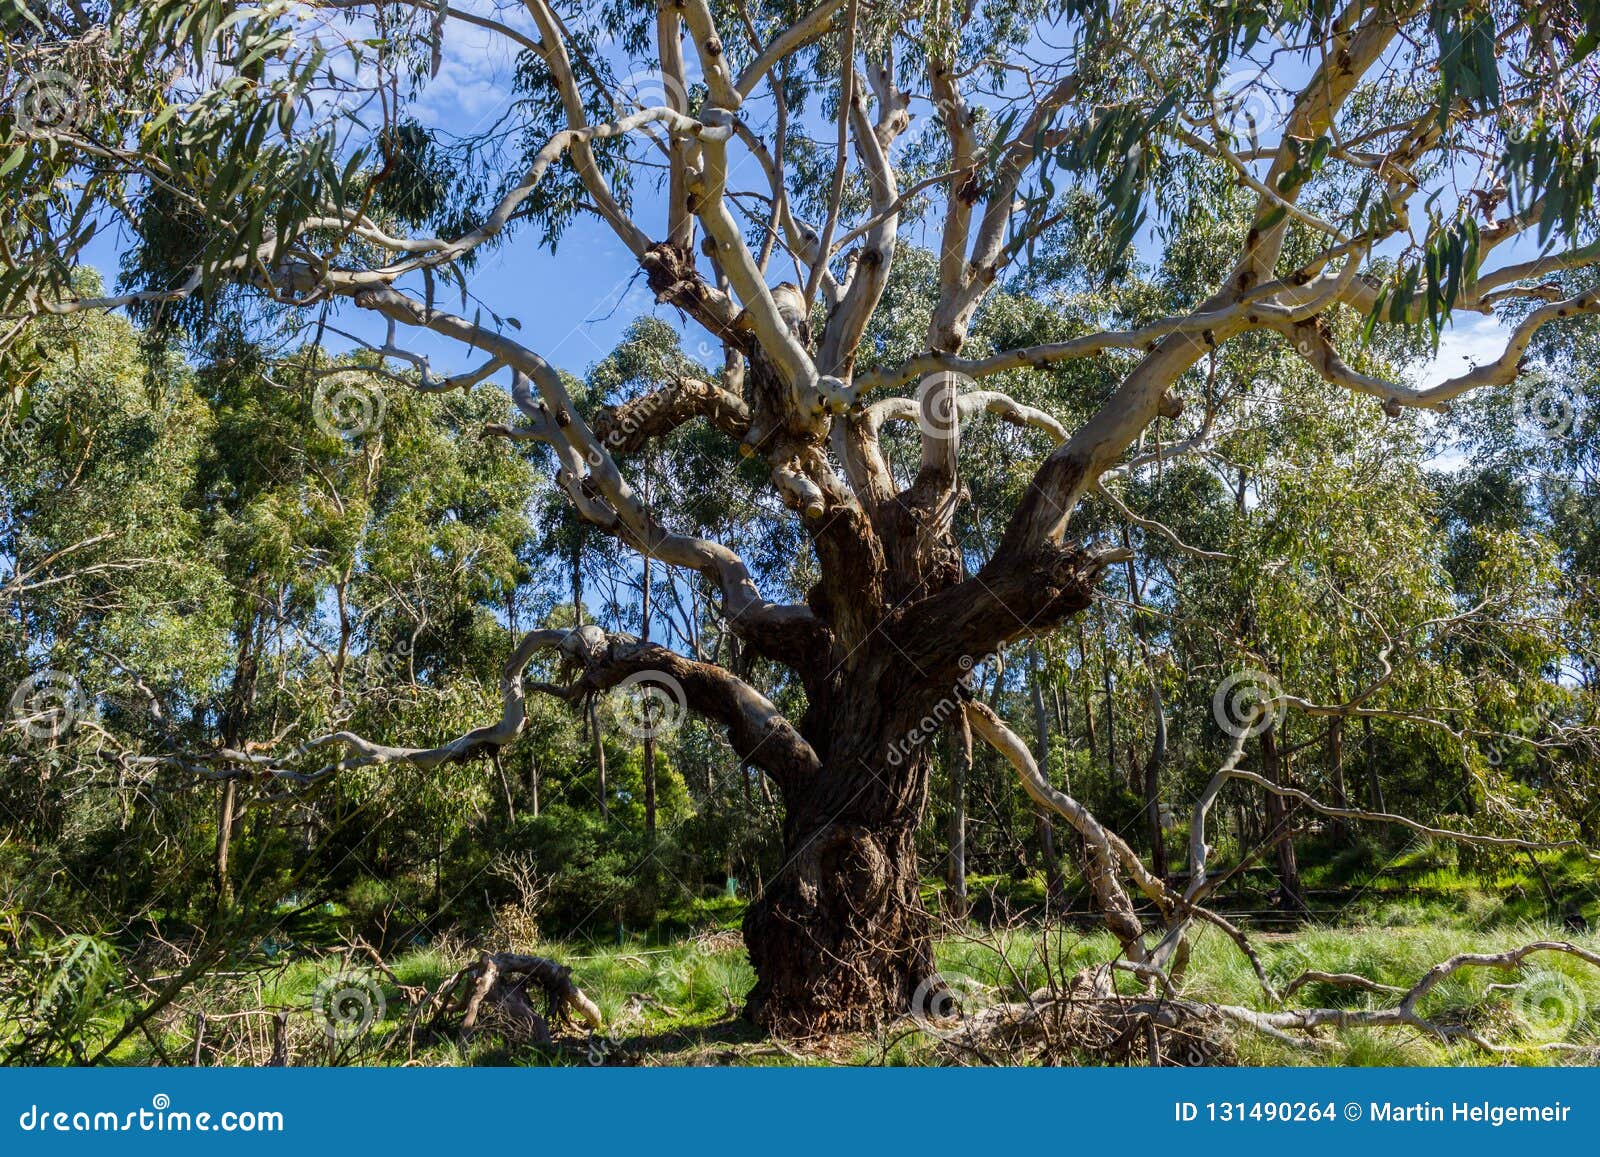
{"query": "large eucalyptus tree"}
(1398, 160)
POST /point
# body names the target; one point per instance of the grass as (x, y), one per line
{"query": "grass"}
(676, 999)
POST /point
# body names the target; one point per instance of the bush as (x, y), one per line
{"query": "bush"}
(600, 875)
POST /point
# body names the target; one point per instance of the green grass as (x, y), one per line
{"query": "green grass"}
(673, 997)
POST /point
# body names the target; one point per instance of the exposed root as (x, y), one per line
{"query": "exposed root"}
(497, 987)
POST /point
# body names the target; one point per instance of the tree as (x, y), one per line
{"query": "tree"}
(1323, 174)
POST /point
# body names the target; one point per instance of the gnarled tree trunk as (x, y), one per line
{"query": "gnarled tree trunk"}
(840, 937)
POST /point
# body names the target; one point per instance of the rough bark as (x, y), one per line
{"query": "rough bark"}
(839, 938)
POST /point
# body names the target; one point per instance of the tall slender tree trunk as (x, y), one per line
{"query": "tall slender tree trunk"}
(597, 744)
(1055, 889)
(222, 879)
(1279, 821)
(599, 750)
(1086, 692)
(1111, 716)
(649, 739)
(241, 694)
(1341, 797)
(1370, 757)
(1151, 785)
(960, 769)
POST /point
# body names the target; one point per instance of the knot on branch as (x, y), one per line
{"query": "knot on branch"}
(1064, 578)
(669, 271)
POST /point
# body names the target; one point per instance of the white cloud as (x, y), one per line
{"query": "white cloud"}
(1471, 340)
(1466, 343)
